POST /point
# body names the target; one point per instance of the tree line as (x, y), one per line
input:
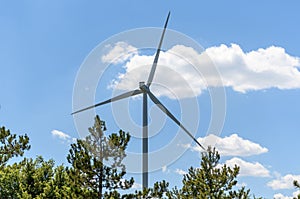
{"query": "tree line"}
(96, 170)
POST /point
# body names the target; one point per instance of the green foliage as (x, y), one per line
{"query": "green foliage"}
(34, 179)
(60, 186)
(10, 181)
(35, 174)
(11, 146)
(97, 163)
(97, 171)
(210, 180)
(159, 190)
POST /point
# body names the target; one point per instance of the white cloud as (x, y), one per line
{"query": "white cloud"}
(183, 79)
(248, 168)
(256, 70)
(243, 184)
(136, 186)
(165, 169)
(281, 196)
(284, 182)
(62, 136)
(119, 53)
(232, 145)
(243, 71)
(296, 193)
(180, 172)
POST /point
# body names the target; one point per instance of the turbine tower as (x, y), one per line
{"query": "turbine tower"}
(144, 88)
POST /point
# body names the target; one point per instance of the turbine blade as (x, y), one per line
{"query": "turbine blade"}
(119, 97)
(151, 75)
(165, 110)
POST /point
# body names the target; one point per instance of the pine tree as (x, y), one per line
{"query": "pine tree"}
(210, 180)
(97, 170)
(11, 146)
(10, 181)
(26, 179)
(35, 175)
(159, 190)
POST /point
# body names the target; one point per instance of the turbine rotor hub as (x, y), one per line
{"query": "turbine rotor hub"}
(143, 86)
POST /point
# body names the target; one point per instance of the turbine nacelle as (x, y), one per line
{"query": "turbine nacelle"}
(144, 88)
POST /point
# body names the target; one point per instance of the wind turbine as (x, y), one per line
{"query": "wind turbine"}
(145, 90)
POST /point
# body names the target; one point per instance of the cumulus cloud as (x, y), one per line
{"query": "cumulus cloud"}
(180, 172)
(190, 72)
(281, 196)
(260, 69)
(118, 53)
(283, 182)
(183, 78)
(248, 168)
(62, 136)
(232, 145)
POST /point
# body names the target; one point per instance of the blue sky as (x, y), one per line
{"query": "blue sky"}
(43, 44)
